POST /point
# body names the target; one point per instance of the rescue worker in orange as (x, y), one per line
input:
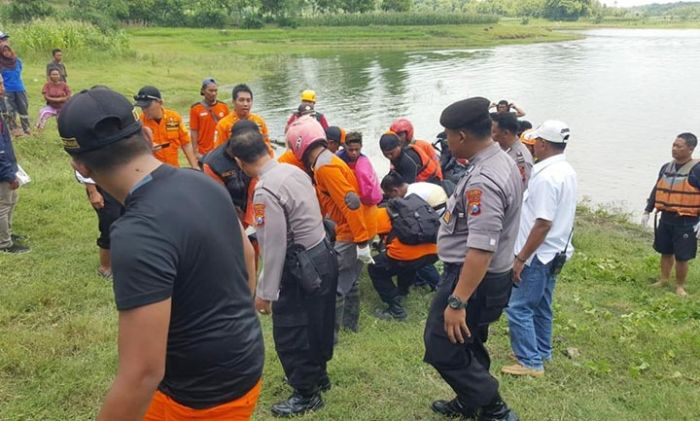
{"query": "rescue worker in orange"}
(168, 130)
(411, 162)
(242, 105)
(676, 196)
(404, 130)
(409, 226)
(338, 193)
(204, 115)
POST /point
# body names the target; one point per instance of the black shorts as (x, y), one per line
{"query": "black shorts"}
(106, 216)
(676, 239)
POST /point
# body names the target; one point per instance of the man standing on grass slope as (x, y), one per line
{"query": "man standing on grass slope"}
(677, 196)
(542, 247)
(168, 267)
(204, 116)
(475, 243)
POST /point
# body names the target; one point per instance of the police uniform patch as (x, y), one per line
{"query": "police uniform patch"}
(259, 214)
(474, 202)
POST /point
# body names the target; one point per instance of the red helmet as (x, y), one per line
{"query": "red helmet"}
(303, 133)
(402, 125)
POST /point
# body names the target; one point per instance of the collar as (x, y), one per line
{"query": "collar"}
(269, 165)
(552, 160)
(485, 153)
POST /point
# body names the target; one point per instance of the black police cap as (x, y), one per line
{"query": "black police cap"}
(465, 112)
(95, 118)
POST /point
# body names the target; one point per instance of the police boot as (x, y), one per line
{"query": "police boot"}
(297, 404)
(497, 411)
(351, 314)
(395, 311)
(453, 409)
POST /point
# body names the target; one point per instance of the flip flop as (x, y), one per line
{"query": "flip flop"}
(107, 275)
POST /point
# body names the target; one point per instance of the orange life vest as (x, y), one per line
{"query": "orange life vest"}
(674, 193)
(430, 151)
(430, 170)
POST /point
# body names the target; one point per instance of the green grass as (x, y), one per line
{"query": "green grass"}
(639, 347)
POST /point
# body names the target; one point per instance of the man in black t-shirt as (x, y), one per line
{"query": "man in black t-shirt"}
(676, 196)
(187, 325)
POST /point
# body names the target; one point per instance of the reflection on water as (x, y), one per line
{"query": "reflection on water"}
(625, 94)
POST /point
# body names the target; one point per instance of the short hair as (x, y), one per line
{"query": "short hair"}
(242, 87)
(690, 139)
(556, 145)
(116, 154)
(479, 128)
(524, 125)
(393, 180)
(353, 137)
(506, 121)
(54, 69)
(504, 102)
(248, 146)
(55, 50)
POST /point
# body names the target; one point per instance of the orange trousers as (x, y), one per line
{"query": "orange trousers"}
(163, 408)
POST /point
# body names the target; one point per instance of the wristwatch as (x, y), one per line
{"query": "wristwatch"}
(455, 303)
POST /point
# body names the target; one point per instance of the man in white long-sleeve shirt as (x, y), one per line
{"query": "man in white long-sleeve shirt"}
(299, 274)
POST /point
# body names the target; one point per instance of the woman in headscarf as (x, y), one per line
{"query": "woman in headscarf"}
(15, 93)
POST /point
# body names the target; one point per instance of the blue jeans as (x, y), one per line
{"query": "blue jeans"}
(428, 275)
(530, 315)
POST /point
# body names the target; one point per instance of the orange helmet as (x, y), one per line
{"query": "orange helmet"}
(403, 125)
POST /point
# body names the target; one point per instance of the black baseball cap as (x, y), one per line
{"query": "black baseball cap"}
(95, 118)
(146, 95)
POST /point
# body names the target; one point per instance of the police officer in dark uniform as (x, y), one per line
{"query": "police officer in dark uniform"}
(300, 271)
(475, 242)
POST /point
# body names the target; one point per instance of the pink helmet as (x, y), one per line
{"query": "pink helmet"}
(303, 133)
(403, 125)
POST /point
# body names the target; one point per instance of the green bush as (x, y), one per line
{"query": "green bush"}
(208, 19)
(26, 10)
(252, 21)
(287, 22)
(398, 18)
(42, 35)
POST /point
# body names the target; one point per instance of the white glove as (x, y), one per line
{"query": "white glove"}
(363, 255)
(645, 219)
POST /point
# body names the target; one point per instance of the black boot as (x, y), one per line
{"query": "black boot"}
(497, 411)
(453, 409)
(324, 385)
(395, 311)
(297, 404)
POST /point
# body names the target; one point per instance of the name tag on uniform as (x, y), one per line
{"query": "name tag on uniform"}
(158, 147)
(204, 114)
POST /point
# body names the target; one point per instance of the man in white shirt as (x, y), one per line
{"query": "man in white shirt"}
(541, 249)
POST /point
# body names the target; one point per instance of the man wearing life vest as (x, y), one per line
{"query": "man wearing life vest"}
(308, 101)
(404, 130)
(411, 162)
(338, 195)
(408, 224)
(677, 197)
(222, 167)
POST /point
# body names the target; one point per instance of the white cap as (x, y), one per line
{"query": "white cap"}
(554, 131)
(4, 35)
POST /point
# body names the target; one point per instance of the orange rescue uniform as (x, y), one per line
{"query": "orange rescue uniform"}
(163, 408)
(203, 120)
(334, 181)
(169, 135)
(224, 126)
(397, 250)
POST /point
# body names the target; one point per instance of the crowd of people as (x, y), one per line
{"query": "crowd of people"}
(492, 199)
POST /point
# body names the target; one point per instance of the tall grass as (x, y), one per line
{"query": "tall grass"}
(42, 35)
(398, 18)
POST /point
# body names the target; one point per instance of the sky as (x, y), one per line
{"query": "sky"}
(627, 3)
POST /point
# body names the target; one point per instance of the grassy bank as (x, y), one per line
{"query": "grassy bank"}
(638, 349)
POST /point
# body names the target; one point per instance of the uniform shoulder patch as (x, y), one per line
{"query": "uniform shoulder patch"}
(352, 200)
(259, 214)
(474, 202)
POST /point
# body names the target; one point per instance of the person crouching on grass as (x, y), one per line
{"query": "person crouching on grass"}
(56, 93)
(176, 361)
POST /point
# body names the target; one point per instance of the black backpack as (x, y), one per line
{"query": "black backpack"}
(413, 220)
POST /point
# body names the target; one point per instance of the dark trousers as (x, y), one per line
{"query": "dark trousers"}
(385, 268)
(106, 216)
(18, 104)
(465, 367)
(302, 325)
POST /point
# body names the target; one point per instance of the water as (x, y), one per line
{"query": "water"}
(625, 93)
